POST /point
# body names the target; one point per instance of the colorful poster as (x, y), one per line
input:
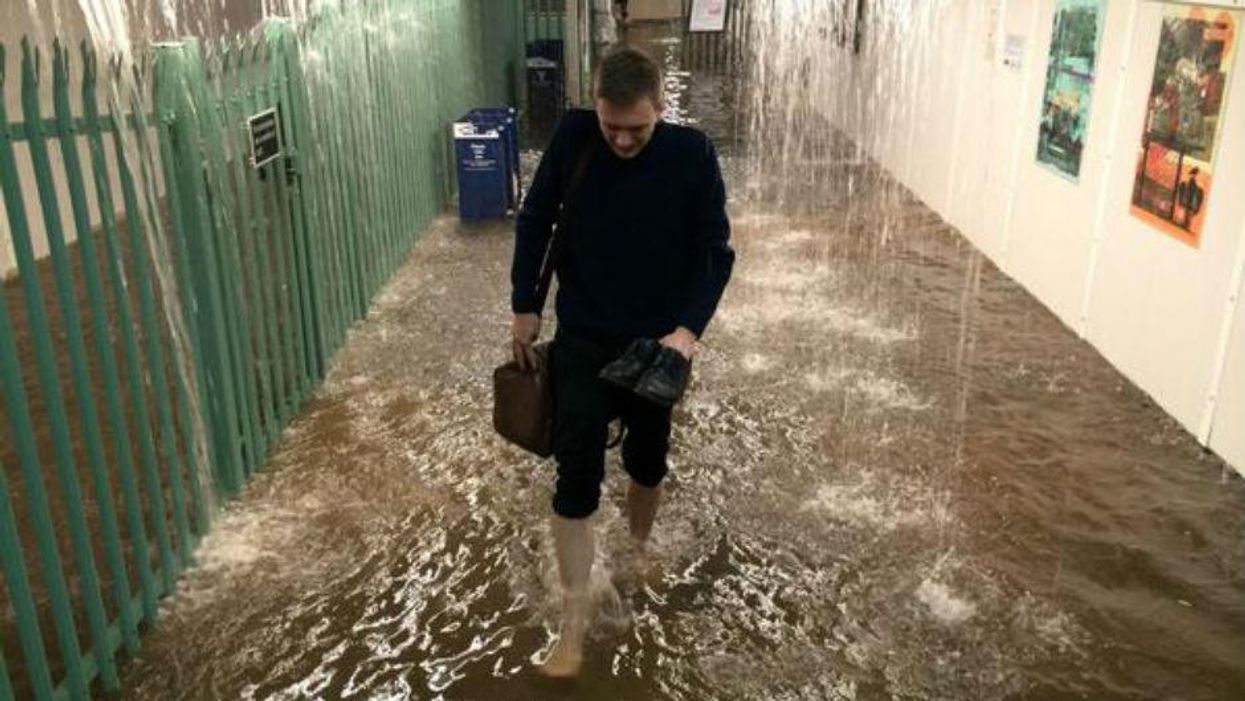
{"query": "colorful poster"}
(1176, 167)
(1069, 85)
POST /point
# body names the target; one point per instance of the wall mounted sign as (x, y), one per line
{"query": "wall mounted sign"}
(1014, 51)
(265, 132)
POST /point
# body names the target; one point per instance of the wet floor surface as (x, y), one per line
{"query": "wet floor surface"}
(896, 476)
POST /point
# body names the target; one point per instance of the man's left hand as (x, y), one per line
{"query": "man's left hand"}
(683, 341)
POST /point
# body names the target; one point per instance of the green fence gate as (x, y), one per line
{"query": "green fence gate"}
(175, 304)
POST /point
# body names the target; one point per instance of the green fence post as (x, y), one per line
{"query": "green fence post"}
(319, 164)
(267, 239)
(15, 399)
(253, 327)
(103, 350)
(15, 576)
(272, 385)
(223, 243)
(287, 69)
(194, 371)
(89, 584)
(286, 233)
(178, 80)
(6, 689)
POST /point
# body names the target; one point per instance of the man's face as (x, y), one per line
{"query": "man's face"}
(628, 129)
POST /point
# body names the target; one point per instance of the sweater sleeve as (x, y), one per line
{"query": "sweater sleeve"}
(534, 224)
(713, 258)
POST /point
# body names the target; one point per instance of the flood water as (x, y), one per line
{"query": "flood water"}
(896, 476)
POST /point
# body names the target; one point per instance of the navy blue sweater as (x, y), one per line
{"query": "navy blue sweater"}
(647, 242)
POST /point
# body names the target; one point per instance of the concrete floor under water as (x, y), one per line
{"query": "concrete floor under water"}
(896, 476)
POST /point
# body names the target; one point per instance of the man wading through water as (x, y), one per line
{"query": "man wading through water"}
(644, 259)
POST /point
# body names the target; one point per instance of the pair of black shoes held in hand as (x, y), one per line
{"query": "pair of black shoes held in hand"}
(651, 370)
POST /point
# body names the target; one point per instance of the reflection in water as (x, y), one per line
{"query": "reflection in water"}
(896, 476)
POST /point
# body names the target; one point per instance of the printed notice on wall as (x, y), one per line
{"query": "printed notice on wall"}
(1069, 85)
(708, 16)
(1176, 166)
(1014, 51)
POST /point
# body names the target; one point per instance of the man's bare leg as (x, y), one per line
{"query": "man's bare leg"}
(573, 543)
(642, 503)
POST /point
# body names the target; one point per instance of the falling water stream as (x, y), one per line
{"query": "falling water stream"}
(896, 476)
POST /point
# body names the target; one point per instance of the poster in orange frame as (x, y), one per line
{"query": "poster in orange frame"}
(1184, 111)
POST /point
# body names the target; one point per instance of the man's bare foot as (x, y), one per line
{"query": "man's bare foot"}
(567, 655)
(565, 660)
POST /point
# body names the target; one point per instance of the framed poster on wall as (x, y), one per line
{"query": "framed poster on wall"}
(1184, 108)
(1069, 90)
(708, 16)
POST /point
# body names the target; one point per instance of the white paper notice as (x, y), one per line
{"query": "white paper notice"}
(708, 16)
(1014, 51)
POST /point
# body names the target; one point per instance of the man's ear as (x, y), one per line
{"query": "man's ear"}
(660, 104)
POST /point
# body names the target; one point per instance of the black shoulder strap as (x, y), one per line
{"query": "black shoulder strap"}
(559, 233)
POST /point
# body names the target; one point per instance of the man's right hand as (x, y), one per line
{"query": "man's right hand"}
(524, 331)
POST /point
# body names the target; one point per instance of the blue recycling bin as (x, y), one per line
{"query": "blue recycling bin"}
(483, 171)
(506, 121)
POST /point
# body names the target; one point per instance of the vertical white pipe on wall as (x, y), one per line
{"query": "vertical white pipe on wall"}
(1225, 337)
(1108, 158)
(1018, 146)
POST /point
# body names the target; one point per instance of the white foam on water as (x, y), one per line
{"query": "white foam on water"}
(888, 393)
(826, 379)
(753, 363)
(943, 604)
(869, 503)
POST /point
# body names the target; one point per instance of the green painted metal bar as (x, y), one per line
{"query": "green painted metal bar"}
(229, 242)
(133, 355)
(132, 503)
(134, 371)
(222, 244)
(22, 131)
(264, 311)
(404, 123)
(103, 347)
(21, 599)
(286, 237)
(6, 688)
(179, 136)
(266, 240)
(339, 165)
(382, 149)
(366, 144)
(286, 68)
(88, 578)
(383, 170)
(318, 167)
(187, 420)
(356, 151)
(262, 223)
(356, 209)
(256, 381)
(23, 429)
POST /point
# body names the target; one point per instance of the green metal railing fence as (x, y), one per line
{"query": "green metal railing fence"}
(189, 303)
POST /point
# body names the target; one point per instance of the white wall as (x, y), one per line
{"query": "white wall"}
(964, 139)
(66, 21)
